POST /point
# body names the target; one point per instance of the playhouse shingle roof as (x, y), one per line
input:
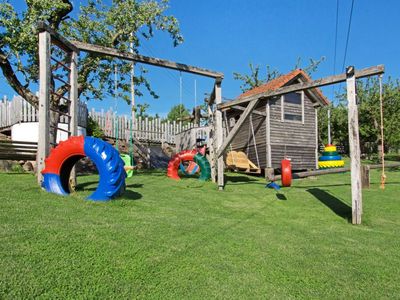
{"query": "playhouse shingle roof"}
(282, 81)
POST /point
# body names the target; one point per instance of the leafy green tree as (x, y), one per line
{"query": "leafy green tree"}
(253, 79)
(339, 126)
(141, 111)
(179, 113)
(369, 117)
(93, 128)
(115, 25)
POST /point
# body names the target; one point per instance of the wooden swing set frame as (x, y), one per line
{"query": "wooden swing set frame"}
(217, 142)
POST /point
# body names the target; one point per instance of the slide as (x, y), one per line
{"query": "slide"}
(189, 155)
(59, 163)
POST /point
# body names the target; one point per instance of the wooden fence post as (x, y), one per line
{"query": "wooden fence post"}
(365, 179)
(354, 142)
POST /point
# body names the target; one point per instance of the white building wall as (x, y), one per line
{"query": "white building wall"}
(29, 132)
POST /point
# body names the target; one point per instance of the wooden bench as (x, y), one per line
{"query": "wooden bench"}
(17, 150)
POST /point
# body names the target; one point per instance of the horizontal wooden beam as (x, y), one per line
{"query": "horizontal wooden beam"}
(256, 112)
(331, 171)
(371, 71)
(147, 60)
(57, 38)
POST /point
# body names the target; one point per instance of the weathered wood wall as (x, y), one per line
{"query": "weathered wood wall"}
(145, 129)
(291, 138)
(186, 140)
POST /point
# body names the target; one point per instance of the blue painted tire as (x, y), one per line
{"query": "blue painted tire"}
(59, 163)
(330, 157)
(110, 167)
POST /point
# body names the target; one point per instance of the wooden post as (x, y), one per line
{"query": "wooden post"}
(316, 137)
(73, 97)
(219, 135)
(44, 102)
(354, 142)
(365, 179)
(269, 174)
(268, 134)
(211, 144)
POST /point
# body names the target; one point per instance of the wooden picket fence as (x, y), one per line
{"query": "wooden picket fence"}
(144, 129)
(153, 130)
(18, 110)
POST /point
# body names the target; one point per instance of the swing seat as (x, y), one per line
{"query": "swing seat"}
(238, 161)
(126, 158)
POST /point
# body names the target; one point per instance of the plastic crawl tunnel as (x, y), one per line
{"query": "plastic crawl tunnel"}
(189, 155)
(59, 163)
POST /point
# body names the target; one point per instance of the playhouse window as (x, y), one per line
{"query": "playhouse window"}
(292, 106)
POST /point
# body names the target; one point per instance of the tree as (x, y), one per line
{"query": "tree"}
(253, 80)
(96, 23)
(179, 113)
(369, 116)
(142, 108)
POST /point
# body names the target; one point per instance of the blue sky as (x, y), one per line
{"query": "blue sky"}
(226, 35)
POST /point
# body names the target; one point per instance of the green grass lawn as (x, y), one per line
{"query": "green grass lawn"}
(174, 240)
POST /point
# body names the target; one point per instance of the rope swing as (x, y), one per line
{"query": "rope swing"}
(383, 176)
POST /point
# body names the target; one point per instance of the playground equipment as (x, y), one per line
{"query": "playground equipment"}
(215, 107)
(330, 158)
(59, 163)
(189, 156)
(238, 161)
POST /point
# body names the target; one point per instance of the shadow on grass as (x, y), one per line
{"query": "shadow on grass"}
(130, 195)
(83, 185)
(320, 185)
(281, 196)
(153, 172)
(337, 206)
(11, 173)
(135, 185)
(239, 179)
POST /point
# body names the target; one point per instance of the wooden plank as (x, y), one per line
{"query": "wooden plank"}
(57, 39)
(234, 131)
(354, 142)
(147, 60)
(241, 108)
(74, 93)
(376, 70)
(268, 135)
(316, 137)
(219, 134)
(44, 102)
(211, 99)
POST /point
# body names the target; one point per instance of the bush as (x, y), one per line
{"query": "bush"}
(93, 128)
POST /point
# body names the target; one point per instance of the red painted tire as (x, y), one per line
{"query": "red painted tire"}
(286, 173)
(173, 165)
(189, 155)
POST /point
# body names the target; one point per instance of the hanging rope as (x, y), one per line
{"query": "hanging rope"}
(180, 96)
(116, 105)
(254, 140)
(227, 133)
(383, 176)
